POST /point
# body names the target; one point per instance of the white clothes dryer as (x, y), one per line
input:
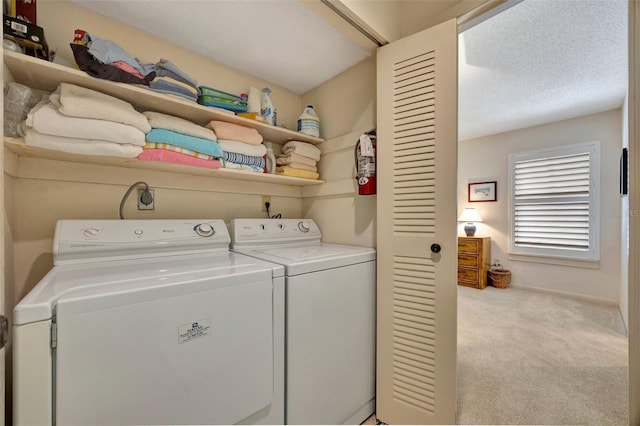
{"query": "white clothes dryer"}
(150, 322)
(330, 318)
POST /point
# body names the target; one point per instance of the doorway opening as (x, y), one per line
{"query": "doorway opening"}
(552, 346)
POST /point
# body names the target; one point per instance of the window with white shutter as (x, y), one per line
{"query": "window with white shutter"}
(555, 202)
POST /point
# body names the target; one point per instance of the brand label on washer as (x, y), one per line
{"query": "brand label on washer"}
(188, 332)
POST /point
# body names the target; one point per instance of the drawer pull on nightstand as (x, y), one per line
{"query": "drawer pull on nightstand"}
(435, 248)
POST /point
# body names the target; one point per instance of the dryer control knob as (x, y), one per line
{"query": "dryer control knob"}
(262, 227)
(303, 226)
(90, 233)
(281, 226)
(204, 230)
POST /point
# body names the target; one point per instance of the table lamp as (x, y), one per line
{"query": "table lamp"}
(470, 215)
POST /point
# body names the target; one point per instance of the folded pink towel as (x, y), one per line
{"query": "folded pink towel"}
(235, 132)
(177, 158)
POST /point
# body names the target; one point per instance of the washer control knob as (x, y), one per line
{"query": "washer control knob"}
(204, 230)
(281, 226)
(262, 227)
(91, 233)
(303, 226)
(138, 232)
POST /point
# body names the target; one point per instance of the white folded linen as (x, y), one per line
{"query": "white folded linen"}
(242, 148)
(301, 166)
(244, 167)
(158, 120)
(301, 148)
(46, 119)
(81, 146)
(76, 101)
(292, 157)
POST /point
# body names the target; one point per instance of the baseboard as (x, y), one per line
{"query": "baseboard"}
(593, 299)
(619, 326)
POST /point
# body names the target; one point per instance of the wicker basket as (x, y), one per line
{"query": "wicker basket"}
(500, 278)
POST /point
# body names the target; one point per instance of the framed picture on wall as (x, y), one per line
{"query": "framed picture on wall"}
(482, 191)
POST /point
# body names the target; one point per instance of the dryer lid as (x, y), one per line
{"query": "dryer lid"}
(301, 259)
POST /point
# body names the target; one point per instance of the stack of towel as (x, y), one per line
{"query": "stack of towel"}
(83, 121)
(242, 146)
(175, 140)
(107, 60)
(171, 80)
(298, 159)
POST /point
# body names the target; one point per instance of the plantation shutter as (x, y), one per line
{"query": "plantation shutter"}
(552, 202)
(417, 142)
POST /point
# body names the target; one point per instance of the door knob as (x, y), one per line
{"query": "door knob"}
(435, 248)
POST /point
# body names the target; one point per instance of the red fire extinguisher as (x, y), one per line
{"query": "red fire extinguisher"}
(365, 158)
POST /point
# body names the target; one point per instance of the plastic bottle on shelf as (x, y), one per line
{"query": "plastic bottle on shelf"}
(309, 123)
(270, 165)
(254, 100)
(267, 107)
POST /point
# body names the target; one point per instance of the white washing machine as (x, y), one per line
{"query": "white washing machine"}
(330, 318)
(150, 322)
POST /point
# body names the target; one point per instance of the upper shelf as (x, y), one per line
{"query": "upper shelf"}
(43, 75)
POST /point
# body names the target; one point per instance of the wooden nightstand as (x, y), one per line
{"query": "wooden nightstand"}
(474, 255)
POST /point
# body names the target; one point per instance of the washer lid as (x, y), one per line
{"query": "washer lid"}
(302, 259)
(164, 275)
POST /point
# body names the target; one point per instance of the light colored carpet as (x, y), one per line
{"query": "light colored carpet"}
(533, 358)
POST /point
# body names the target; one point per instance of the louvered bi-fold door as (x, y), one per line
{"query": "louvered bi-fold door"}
(417, 146)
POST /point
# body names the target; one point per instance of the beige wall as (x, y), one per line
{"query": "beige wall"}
(418, 15)
(383, 17)
(395, 19)
(486, 158)
(347, 107)
(60, 18)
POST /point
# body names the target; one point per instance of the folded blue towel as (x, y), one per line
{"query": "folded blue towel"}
(192, 143)
(160, 84)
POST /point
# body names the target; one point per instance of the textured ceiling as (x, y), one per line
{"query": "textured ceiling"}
(280, 41)
(542, 61)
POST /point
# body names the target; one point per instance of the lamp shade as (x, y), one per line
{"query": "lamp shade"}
(470, 215)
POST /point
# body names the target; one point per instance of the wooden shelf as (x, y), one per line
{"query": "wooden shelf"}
(18, 147)
(43, 75)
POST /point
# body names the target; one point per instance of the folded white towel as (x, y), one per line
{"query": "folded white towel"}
(242, 148)
(292, 157)
(158, 120)
(296, 165)
(301, 148)
(76, 101)
(243, 167)
(46, 119)
(81, 146)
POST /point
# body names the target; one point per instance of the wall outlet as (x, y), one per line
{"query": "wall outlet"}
(265, 199)
(146, 204)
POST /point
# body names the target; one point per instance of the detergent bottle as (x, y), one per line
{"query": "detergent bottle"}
(309, 123)
(266, 112)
